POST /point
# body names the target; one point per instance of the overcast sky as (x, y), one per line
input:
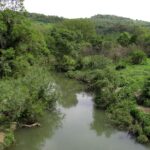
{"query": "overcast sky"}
(136, 9)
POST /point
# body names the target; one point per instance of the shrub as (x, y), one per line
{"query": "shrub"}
(137, 57)
(105, 98)
(136, 129)
(67, 64)
(147, 131)
(78, 75)
(9, 139)
(146, 90)
(124, 39)
(97, 43)
(142, 139)
(120, 66)
(145, 95)
(119, 114)
(25, 99)
(147, 103)
(95, 62)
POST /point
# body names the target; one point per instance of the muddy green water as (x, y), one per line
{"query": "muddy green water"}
(76, 125)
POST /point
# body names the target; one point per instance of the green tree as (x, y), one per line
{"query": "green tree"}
(138, 57)
(124, 39)
(18, 39)
(83, 26)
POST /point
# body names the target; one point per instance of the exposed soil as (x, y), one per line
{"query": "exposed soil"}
(144, 109)
(2, 137)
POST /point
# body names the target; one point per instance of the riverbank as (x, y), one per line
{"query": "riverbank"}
(24, 100)
(76, 124)
(116, 92)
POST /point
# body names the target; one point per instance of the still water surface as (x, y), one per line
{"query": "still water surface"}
(76, 125)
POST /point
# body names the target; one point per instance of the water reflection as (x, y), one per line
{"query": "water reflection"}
(34, 138)
(68, 89)
(100, 124)
(85, 128)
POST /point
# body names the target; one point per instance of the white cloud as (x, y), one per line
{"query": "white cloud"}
(136, 9)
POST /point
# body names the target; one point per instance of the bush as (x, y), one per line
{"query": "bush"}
(119, 114)
(146, 89)
(67, 64)
(147, 131)
(124, 39)
(9, 139)
(142, 139)
(137, 57)
(146, 103)
(145, 95)
(120, 66)
(25, 99)
(105, 98)
(136, 129)
(97, 44)
(95, 62)
(78, 75)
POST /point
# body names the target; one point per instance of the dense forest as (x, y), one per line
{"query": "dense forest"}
(109, 54)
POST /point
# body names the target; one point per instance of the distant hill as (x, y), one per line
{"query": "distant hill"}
(105, 24)
(109, 24)
(44, 19)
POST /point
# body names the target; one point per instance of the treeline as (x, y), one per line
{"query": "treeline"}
(107, 24)
(44, 19)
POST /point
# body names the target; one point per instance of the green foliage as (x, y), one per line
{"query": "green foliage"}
(119, 114)
(121, 66)
(97, 43)
(5, 62)
(105, 98)
(68, 63)
(44, 19)
(143, 120)
(124, 39)
(24, 99)
(137, 57)
(83, 26)
(136, 129)
(64, 45)
(109, 24)
(144, 98)
(147, 130)
(64, 42)
(102, 81)
(95, 62)
(146, 90)
(142, 139)
(18, 42)
(9, 139)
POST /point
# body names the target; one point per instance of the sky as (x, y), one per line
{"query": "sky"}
(135, 9)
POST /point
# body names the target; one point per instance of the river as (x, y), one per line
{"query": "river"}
(75, 125)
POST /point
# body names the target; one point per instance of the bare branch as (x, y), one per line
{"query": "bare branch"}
(15, 5)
